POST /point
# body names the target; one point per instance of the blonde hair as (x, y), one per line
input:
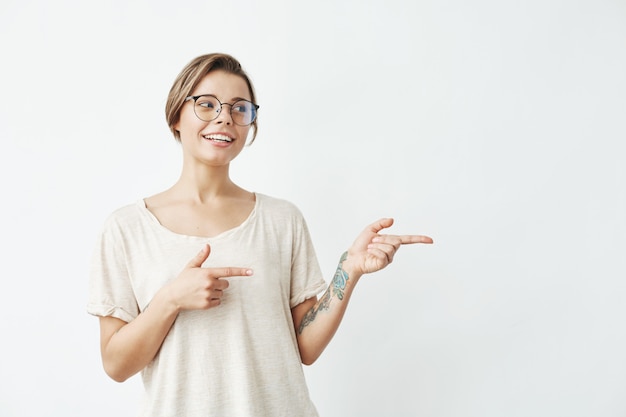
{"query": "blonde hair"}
(189, 78)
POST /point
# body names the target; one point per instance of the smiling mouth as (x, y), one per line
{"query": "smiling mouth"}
(219, 138)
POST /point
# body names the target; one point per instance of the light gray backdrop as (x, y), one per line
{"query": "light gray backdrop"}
(496, 127)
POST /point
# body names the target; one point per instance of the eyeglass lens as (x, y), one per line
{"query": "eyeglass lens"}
(207, 108)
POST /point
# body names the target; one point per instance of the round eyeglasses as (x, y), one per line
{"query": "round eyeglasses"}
(207, 107)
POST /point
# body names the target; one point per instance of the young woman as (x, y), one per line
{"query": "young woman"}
(209, 290)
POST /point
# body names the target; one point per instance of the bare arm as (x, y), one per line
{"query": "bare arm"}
(127, 348)
(316, 321)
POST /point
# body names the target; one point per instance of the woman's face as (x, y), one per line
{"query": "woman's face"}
(219, 141)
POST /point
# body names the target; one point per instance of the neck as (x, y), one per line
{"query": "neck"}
(202, 183)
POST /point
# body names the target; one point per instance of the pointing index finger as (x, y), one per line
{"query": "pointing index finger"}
(232, 272)
(410, 239)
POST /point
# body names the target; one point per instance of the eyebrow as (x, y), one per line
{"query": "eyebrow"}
(239, 98)
(232, 100)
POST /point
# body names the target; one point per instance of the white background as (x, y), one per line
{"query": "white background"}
(495, 127)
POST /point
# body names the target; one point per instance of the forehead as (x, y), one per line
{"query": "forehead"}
(222, 84)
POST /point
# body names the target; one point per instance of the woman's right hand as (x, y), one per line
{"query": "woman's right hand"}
(127, 348)
(198, 288)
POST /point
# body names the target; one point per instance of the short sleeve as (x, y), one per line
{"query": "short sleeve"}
(110, 289)
(306, 276)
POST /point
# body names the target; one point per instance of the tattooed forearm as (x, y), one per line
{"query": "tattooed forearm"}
(341, 278)
(310, 315)
(336, 287)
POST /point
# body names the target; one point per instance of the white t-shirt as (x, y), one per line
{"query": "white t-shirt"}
(240, 358)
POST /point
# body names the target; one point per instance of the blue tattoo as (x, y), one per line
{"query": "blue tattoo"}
(337, 286)
(341, 278)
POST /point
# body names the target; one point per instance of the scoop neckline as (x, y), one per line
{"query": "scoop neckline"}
(155, 221)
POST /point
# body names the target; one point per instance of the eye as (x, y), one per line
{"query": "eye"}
(209, 104)
(242, 107)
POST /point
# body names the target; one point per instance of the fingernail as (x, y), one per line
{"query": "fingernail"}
(249, 272)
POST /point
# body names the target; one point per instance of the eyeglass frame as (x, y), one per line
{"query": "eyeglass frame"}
(219, 110)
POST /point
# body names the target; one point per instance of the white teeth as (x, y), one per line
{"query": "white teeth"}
(219, 138)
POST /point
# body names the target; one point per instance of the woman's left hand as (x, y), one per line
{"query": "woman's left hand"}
(372, 251)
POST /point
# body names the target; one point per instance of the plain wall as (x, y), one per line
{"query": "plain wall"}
(495, 127)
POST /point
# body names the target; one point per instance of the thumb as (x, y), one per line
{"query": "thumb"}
(198, 260)
(380, 224)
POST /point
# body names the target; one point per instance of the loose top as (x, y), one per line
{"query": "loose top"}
(240, 358)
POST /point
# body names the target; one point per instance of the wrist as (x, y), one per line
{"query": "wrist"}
(165, 299)
(349, 266)
(354, 274)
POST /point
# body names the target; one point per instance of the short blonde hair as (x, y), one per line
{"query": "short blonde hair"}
(189, 78)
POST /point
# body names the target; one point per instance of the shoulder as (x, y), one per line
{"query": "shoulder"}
(128, 216)
(282, 216)
(277, 206)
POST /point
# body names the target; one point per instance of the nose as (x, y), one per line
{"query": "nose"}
(224, 116)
